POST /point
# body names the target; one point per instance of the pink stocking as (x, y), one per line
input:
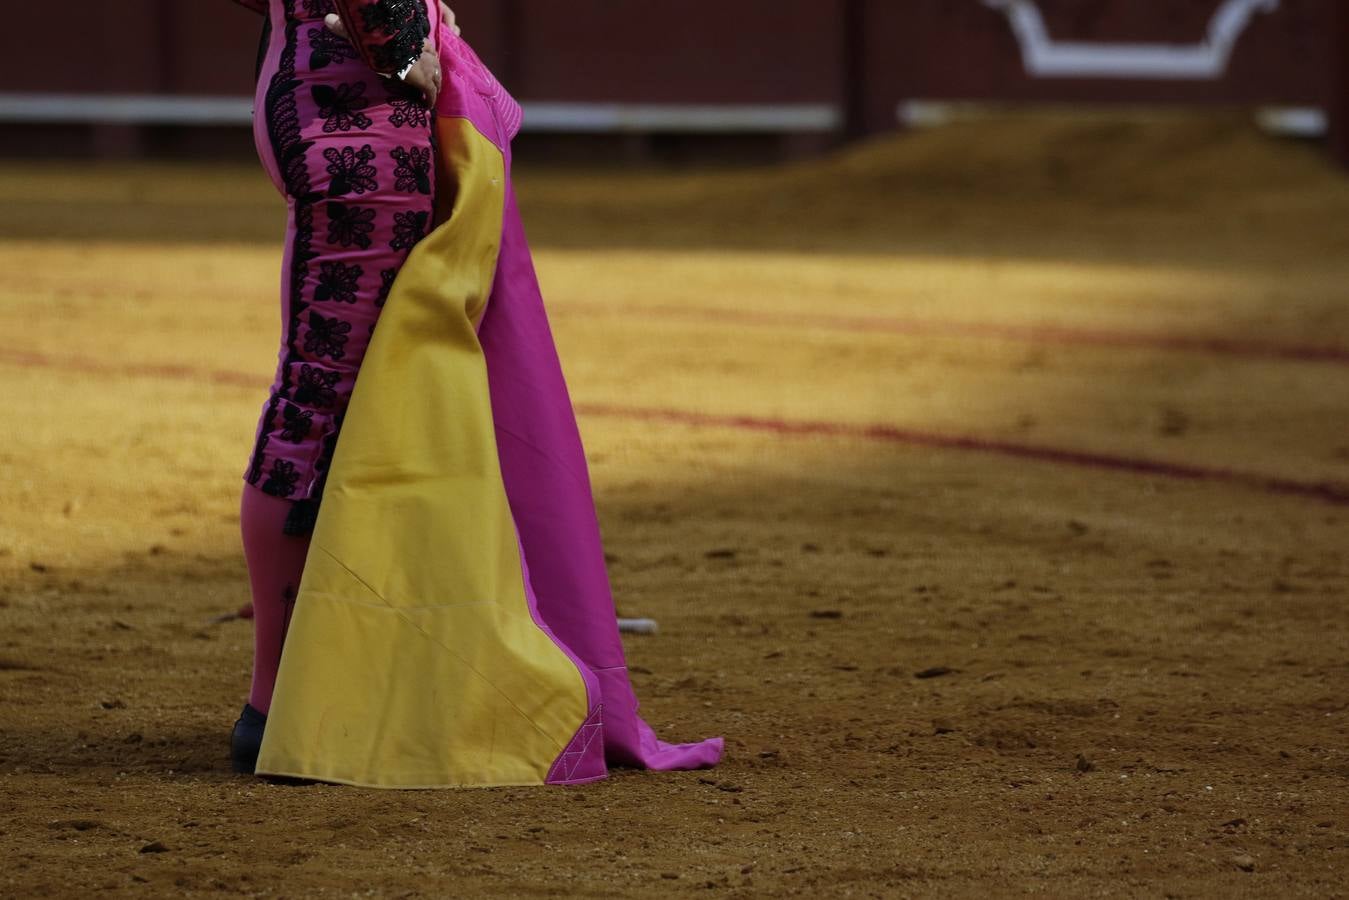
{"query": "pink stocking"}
(275, 563)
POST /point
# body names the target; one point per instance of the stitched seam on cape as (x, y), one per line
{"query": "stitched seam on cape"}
(590, 732)
(593, 724)
(363, 583)
(385, 603)
(424, 633)
(532, 446)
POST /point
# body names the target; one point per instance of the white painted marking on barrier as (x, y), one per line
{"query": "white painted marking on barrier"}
(1207, 60)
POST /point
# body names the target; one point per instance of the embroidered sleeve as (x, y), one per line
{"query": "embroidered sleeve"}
(258, 6)
(387, 33)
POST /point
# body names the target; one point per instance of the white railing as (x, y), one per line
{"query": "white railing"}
(152, 109)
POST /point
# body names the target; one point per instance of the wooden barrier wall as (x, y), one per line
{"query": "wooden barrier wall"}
(760, 51)
(860, 57)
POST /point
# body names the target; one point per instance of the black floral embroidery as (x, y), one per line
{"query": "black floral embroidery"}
(290, 150)
(298, 422)
(282, 478)
(326, 48)
(350, 225)
(317, 8)
(408, 229)
(396, 54)
(351, 170)
(326, 337)
(380, 17)
(338, 282)
(409, 113)
(340, 107)
(316, 386)
(413, 173)
(394, 16)
(386, 279)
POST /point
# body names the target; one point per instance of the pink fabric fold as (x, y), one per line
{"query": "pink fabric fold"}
(548, 485)
(544, 468)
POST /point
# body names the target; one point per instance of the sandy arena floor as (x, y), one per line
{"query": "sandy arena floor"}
(991, 488)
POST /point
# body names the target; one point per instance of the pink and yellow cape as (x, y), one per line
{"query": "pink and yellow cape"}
(454, 625)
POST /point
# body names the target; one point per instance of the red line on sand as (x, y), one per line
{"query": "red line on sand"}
(1324, 490)
(1035, 334)
(97, 367)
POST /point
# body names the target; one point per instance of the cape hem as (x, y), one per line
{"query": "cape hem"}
(419, 786)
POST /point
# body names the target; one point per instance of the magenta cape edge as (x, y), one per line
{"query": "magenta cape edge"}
(543, 463)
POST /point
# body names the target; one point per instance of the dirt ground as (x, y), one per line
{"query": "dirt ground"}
(991, 487)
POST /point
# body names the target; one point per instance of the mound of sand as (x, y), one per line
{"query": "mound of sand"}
(1024, 184)
(1014, 184)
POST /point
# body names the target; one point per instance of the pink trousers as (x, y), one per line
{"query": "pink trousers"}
(352, 153)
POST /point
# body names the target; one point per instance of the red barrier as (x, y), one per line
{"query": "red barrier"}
(108, 47)
(1339, 103)
(860, 58)
(696, 51)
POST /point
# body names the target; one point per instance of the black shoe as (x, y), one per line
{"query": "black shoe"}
(246, 740)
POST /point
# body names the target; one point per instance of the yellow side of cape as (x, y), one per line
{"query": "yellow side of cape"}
(412, 659)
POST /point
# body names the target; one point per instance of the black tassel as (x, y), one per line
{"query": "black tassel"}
(300, 521)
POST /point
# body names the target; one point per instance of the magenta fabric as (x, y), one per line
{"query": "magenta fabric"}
(583, 759)
(275, 564)
(544, 468)
(548, 485)
(352, 153)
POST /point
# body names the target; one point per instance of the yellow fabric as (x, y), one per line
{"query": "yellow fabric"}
(412, 659)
